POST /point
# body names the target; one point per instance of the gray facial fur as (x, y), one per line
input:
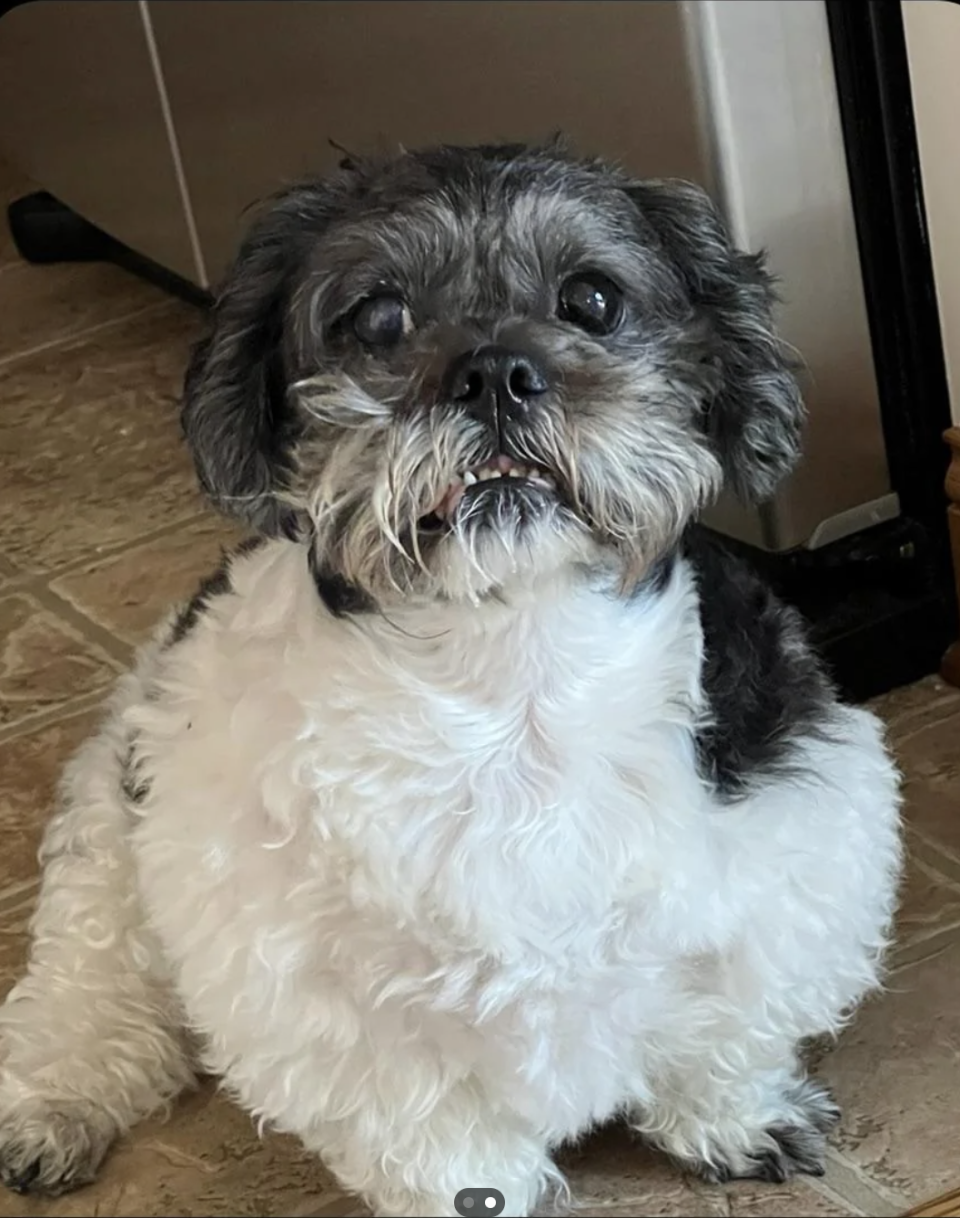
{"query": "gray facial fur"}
(299, 427)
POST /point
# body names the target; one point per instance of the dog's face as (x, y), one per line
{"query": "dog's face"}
(466, 369)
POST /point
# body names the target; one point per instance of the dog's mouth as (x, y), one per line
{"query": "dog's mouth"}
(496, 478)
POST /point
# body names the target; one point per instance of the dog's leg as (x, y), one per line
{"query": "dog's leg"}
(408, 1165)
(89, 1040)
(818, 853)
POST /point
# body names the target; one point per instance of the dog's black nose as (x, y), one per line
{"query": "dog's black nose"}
(494, 382)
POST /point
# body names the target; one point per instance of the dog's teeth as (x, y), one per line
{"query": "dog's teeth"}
(487, 472)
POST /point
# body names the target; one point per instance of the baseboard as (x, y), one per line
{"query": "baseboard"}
(950, 668)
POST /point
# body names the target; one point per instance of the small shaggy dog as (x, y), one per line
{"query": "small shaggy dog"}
(482, 797)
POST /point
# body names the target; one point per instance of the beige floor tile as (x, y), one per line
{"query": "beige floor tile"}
(17, 904)
(92, 452)
(896, 1074)
(206, 1160)
(924, 732)
(129, 594)
(46, 304)
(613, 1173)
(43, 304)
(934, 811)
(910, 706)
(929, 904)
(44, 662)
(792, 1201)
(30, 768)
(932, 784)
(795, 1200)
(613, 1167)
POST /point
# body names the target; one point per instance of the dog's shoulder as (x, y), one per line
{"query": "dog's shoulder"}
(763, 683)
(217, 583)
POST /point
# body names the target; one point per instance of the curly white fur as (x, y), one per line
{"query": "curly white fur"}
(439, 892)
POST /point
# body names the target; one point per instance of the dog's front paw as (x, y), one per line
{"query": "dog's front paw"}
(51, 1148)
(789, 1150)
(796, 1146)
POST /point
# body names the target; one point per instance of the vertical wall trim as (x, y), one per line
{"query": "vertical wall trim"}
(178, 169)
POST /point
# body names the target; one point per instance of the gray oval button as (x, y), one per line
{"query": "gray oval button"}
(474, 1202)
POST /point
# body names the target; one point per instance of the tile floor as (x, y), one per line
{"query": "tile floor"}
(101, 528)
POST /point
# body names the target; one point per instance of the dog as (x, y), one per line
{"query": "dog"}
(482, 796)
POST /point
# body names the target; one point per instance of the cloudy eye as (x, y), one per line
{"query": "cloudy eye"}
(592, 302)
(381, 321)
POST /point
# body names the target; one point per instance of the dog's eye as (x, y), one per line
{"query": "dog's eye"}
(592, 302)
(381, 321)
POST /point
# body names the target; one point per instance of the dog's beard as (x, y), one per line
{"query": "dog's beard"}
(423, 503)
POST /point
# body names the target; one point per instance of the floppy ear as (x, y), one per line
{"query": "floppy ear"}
(756, 415)
(236, 414)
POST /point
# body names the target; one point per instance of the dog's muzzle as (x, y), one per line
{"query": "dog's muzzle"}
(498, 388)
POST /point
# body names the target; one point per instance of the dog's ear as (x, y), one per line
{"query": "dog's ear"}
(756, 416)
(237, 417)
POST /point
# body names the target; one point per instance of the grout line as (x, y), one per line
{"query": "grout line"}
(15, 894)
(947, 703)
(18, 902)
(175, 153)
(118, 650)
(67, 710)
(933, 857)
(846, 1182)
(64, 340)
(336, 1206)
(929, 863)
(935, 865)
(935, 854)
(90, 632)
(922, 950)
(817, 1184)
(28, 580)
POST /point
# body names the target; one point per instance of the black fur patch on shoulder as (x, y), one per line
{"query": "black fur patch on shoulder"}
(214, 585)
(763, 683)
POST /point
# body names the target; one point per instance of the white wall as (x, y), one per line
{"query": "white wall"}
(933, 45)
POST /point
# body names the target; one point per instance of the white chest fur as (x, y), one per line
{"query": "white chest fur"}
(415, 826)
